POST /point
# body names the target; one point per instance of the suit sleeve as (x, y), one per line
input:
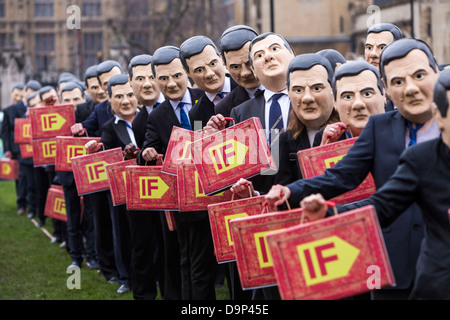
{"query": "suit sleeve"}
(397, 194)
(346, 175)
(5, 134)
(91, 123)
(152, 139)
(287, 162)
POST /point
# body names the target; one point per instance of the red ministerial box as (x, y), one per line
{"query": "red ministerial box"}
(178, 148)
(89, 170)
(26, 150)
(240, 151)
(51, 121)
(220, 215)
(315, 161)
(117, 180)
(332, 258)
(44, 151)
(148, 188)
(55, 205)
(9, 169)
(190, 192)
(22, 130)
(68, 147)
(253, 259)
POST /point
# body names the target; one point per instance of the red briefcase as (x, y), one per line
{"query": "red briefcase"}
(315, 161)
(26, 150)
(44, 151)
(51, 121)
(89, 170)
(9, 169)
(68, 147)
(117, 180)
(55, 206)
(240, 151)
(220, 215)
(148, 188)
(333, 258)
(253, 259)
(190, 192)
(22, 130)
(178, 148)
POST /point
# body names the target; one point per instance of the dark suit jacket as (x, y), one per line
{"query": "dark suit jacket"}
(237, 96)
(84, 110)
(160, 123)
(94, 123)
(203, 110)
(377, 150)
(10, 113)
(423, 177)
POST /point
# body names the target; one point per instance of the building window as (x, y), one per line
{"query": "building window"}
(44, 50)
(43, 8)
(92, 8)
(92, 45)
(2, 8)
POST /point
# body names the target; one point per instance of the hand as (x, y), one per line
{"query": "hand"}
(8, 154)
(314, 207)
(149, 154)
(278, 195)
(243, 188)
(130, 151)
(217, 122)
(93, 146)
(50, 101)
(332, 132)
(76, 129)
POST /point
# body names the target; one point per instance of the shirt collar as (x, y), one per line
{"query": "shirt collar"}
(186, 100)
(268, 94)
(226, 89)
(117, 118)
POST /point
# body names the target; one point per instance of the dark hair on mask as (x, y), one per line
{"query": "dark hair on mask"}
(194, 46)
(440, 92)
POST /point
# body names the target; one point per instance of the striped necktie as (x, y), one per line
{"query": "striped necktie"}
(275, 119)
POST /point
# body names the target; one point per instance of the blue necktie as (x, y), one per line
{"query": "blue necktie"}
(156, 104)
(413, 133)
(275, 119)
(221, 95)
(184, 118)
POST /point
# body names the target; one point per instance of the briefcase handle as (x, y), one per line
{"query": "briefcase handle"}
(265, 205)
(330, 204)
(249, 192)
(230, 119)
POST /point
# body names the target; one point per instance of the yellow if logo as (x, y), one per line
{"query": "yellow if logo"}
(262, 249)
(49, 149)
(26, 130)
(124, 176)
(6, 168)
(326, 259)
(96, 171)
(227, 224)
(60, 206)
(28, 148)
(75, 151)
(199, 189)
(228, 155)
(152, 187)
(329, 163)
(52, 121)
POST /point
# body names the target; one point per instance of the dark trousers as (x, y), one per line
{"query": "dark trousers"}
(75, 231)
(26, 192)
(236, 291)
(122, 242)
(172, 265)
(43, 180)
(147, 254)
(198, 263)
(103, 233)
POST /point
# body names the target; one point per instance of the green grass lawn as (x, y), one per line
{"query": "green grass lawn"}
(31, 268)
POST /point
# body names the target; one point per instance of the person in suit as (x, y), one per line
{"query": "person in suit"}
(102, 112)
(190, 274)
(335, 58)
(78, 226)
(421, 177)
(378, 37)
(25, 191)
(234, 44)
(201, 60)
(17, 93)
(147, 245)
(100, 201)
(309, 81)
(120, 132)
(409, 72)
(358, 93)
